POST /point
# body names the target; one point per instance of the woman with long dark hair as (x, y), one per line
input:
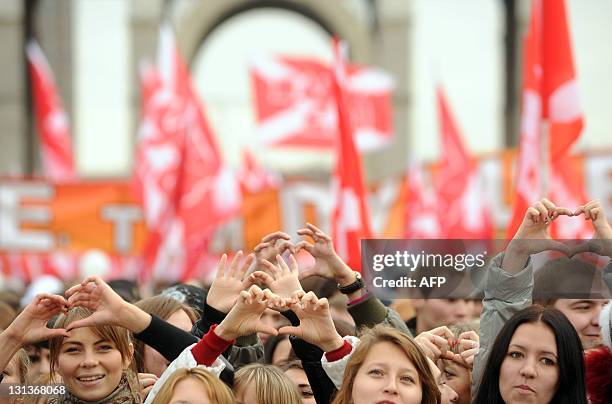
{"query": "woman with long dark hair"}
(537, 357)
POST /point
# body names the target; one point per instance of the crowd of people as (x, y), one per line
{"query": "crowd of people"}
(266, 331)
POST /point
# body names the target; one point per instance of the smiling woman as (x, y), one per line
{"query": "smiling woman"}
(93, 362)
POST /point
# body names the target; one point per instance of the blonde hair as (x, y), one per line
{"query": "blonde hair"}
(271, 384)
(215, 389)
(22, 362)
(44, 378)
(115, 334)
(381, 333)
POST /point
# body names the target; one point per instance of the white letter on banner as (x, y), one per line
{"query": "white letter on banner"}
(123, 218)
(13, 215)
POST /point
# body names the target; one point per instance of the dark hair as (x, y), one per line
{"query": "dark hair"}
(192, 296)
(271, 345)
(127, 289)
(291, 364)
(566, 278)
(571, 385)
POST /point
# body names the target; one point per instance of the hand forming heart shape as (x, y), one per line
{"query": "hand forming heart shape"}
(533, 235)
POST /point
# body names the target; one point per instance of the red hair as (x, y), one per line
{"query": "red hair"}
(598, 364)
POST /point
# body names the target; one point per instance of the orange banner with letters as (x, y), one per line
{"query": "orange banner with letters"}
(51, 228)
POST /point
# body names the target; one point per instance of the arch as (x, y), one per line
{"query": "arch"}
(202, 18)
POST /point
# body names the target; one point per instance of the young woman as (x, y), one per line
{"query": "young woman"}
(537, 357)
(387, 365)
(93, 362)
(243, 319)
(295, 372)
(384, 364)
(194, 386)
(148, 360)
(508, 291)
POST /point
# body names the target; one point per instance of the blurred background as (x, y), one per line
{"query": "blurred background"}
(472, 51)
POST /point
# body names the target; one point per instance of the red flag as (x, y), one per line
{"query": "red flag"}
(528, 181)
(561, 106)
(198, 192)
(565, 118)
(421, 211)
(150, 81)
(550, 94)
(253, 177)
(350, 220)
(157, 169)
(51, 120)
(295, 105)
(209, 190)
(462, 212)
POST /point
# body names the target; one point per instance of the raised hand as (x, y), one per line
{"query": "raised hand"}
(31, 324)
(533, 237)
(272, 245)
(245, 316)
(435, 343)
(327, 263)
(282, 279)
(107, 306)
(535, 227)
(602, 238)
(316, 324)
(467, 346)
(229, 282)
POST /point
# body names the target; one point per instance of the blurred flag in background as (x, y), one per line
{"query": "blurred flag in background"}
(51, 120)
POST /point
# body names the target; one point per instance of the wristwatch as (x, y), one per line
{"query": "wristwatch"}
(353, 287)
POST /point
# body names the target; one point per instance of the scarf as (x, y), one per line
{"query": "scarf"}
(127, 392)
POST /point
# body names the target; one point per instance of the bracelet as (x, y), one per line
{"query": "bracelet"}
(353, 287)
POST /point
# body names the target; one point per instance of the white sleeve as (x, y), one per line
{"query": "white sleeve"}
(335, 370)
(184, 360)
